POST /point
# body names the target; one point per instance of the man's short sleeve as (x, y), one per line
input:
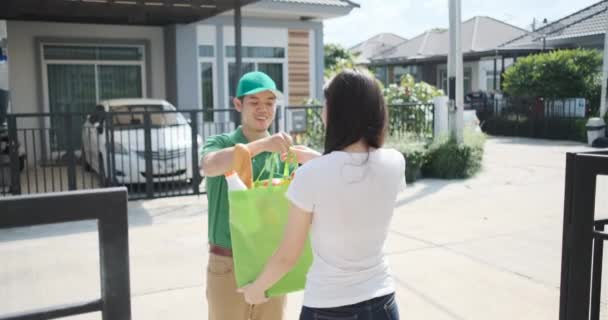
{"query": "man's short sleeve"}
(215, 143)
(301, 191)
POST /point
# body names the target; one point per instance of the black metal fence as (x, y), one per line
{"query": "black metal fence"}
(153, 153)
(109, 208)
(583, 237)
(415, 120)
(535, 118)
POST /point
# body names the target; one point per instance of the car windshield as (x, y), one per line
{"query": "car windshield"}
(135, 116)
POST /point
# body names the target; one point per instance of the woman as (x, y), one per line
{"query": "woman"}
(346, 199)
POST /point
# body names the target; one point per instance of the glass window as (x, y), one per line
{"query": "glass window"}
(207, 89)
(120, 53)
(274, 71)
(257, 52)
(467, 80)
(443, 80)
(119, 81)
(57, 52)
(490, 80)
(205, 51)
(400, 71)
(207, 84)
(381, 74)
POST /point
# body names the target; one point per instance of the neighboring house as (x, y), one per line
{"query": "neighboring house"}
(374, 46)
(583, 29)
(57, 66)
(425, 56)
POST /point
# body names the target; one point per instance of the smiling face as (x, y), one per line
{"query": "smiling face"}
(257, 110)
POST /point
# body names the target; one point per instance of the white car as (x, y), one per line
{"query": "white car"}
(171, 141)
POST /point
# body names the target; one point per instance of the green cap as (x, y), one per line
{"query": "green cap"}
(256, 82)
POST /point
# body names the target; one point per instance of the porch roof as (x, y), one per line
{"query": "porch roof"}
(128, 12)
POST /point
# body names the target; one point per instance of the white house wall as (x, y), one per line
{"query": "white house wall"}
(219, 32)
(205, 35)
(251, 36)
(24, 72)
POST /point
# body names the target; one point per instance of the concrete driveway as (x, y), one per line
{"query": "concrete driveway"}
(484, 248)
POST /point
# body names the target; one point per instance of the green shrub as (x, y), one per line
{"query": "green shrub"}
(414, 152)
(410, 91)
(556, 75)
(446, 159)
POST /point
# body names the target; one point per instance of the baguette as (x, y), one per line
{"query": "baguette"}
(242, 164)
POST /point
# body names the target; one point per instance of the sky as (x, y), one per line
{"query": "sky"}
(409, 18)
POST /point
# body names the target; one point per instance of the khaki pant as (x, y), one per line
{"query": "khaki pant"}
(227, 304)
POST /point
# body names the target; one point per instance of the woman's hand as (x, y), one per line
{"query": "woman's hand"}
(303, 154)
(253, 294)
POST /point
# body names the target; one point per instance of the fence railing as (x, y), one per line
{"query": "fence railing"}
(535, 118)
(153, 153)
(583, 237)
(109, 208)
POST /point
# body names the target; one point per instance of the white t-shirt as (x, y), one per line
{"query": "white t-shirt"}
(351, 197)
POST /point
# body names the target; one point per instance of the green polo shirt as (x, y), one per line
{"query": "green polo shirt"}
(217, 189)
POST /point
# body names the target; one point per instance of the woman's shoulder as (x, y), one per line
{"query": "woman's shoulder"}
(390, 154)
(316, 164)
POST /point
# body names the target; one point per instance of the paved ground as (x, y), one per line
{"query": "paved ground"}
(485, 248)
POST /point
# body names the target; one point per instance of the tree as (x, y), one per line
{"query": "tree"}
(556, 75)
(337, 58)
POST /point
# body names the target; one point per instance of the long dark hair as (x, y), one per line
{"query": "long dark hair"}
(355, 110)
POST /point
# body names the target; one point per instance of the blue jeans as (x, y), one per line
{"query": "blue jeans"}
(381, 308)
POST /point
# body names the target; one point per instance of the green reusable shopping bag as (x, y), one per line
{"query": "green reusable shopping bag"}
(257, 221)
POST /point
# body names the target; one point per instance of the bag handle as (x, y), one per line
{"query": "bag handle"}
(271, 166)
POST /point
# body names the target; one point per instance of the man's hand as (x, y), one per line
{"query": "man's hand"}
(278, 143)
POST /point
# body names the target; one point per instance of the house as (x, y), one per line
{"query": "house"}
(61, 63)
(283, 38)
(65, 56)
(582, 29)
(374, 46)
(425, 56)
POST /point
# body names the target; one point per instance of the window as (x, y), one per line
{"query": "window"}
(205, 51)
(207, 84)
(490, 80)
(207, 89)
(61, 52)
(400, 71)
(467, 80)
(273, 70)
(381, 74)
(270, 60)
(257, 52)
(77, 76)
